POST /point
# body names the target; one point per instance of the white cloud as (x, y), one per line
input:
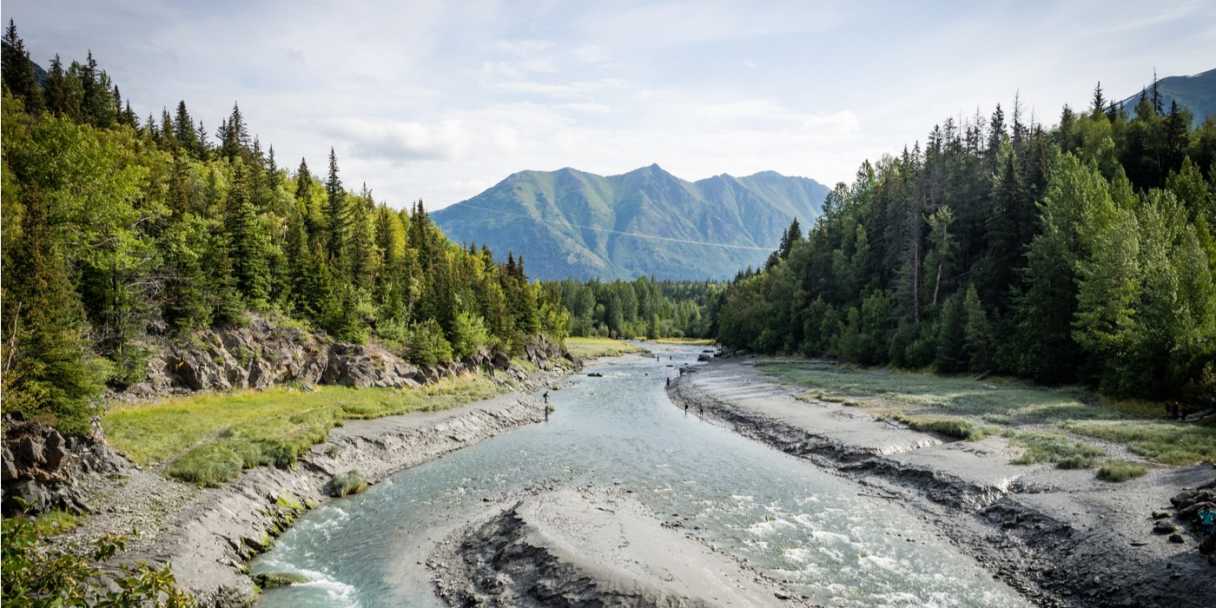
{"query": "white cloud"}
(400, 141)
(440, 100)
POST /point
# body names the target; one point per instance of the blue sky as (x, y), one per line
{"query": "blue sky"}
(440, 100)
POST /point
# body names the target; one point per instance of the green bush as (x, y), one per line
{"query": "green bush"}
(958, 428)
(469, 334)
(1058, 449)
(427, 345)
(38, 574)
(1121, 470)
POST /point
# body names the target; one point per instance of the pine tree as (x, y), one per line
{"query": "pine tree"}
(335, 212)
(952, 337)
(57, 89)
(183, 130)
(49, 368)
(1098, 106)
(18, 70)
(978, 332)
(245, 245)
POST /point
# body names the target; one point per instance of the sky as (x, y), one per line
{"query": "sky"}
(439, 100)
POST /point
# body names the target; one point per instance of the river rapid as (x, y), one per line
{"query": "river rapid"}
(783, 515)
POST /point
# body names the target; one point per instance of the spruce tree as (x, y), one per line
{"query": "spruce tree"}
(49, 367)
(335, 212)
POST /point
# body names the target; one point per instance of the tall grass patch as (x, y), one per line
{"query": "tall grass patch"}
(209, 439)
(590, 348)
(1169, 443)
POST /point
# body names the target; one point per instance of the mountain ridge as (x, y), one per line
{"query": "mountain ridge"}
(1195, 92)
(570, 223)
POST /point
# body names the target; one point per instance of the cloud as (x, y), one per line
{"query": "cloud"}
(400, 141)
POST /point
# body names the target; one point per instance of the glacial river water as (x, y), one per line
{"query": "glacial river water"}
(782, 514)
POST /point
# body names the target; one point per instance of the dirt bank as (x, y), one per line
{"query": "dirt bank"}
(588, 547)
(209, 535)
(1061, 537)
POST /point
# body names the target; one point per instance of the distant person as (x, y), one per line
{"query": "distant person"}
(546, 406)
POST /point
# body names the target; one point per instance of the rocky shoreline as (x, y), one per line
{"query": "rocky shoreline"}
(1057, 540)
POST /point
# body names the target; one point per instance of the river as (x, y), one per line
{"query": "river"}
(782, 514)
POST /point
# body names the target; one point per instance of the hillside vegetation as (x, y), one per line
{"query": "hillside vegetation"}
(1079, 253)
(121, 232)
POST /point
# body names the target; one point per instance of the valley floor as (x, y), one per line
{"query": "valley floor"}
(1061, 535)
(208, 534)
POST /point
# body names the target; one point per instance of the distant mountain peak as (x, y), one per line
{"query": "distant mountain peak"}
(570, 223)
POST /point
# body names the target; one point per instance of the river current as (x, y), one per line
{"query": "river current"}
(782, 514)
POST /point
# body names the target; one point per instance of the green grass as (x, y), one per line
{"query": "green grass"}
(1056, 448)
(590, 348)
(55, 521)
(950, 426)
(1121, 470)
(685, 341)
(997, 400)
(1055, 425)
(209, 439)
(1169, 443)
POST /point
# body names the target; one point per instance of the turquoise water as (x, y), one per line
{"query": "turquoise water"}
(786, 517)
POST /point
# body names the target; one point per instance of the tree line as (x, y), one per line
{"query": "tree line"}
(642, 307)
(119, 231)
(1078, 253)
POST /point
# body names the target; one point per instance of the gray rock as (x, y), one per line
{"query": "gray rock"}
(363, 366)
(1163, 527)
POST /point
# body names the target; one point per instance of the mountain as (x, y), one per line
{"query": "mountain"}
(573, 224)
(1196, 93)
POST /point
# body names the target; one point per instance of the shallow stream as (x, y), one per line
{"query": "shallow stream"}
(782, 514)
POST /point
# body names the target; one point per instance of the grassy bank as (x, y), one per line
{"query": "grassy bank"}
(211, 438)
(590, 348)
(1070, 427)
(685, 341)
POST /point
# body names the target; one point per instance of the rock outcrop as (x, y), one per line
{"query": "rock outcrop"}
(262, 354)
(42, 468)
(363, 366)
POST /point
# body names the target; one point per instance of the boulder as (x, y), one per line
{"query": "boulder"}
(363, 366)
(41, 467)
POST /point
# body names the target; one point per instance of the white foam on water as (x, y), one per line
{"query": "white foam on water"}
(336, 591)
(767, 528)
(831, 538)
(797, 554)
(878, 561)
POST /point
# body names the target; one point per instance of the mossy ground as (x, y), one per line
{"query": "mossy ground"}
(209, 439)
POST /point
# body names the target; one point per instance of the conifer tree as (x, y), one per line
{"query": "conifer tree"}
(48, 364)
(335, 212)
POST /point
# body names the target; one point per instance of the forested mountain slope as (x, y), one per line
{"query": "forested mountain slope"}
(648, 222)
(121, 234)
(1083, 252)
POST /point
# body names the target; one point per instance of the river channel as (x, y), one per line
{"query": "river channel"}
(783, 515)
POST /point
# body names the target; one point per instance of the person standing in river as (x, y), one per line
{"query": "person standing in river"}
(546, 406)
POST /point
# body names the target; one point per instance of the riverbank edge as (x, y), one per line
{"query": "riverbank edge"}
(1044, 557)
(216, 534)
